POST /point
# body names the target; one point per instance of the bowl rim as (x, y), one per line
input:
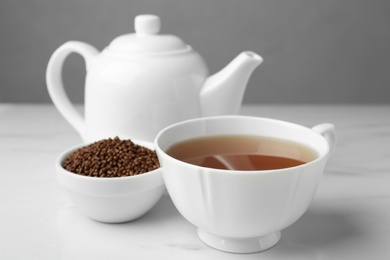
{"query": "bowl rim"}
(60, 158)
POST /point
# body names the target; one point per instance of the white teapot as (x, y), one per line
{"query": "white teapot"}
(145, 81)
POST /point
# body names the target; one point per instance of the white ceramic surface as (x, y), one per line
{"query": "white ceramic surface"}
(111, 200)
(243, 211)
(145, 81)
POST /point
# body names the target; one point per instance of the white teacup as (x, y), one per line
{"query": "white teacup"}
(243, 211)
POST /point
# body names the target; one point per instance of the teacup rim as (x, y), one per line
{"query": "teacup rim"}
(241, 172)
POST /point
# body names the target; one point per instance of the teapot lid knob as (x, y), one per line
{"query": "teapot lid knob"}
(147, 39)
(147, 24)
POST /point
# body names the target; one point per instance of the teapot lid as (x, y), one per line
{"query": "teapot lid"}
(146, 38)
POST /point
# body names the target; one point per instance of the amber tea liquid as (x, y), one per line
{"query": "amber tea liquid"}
(242, 152)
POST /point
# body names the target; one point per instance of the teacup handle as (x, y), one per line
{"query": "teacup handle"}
(55, 85)
(328, 131)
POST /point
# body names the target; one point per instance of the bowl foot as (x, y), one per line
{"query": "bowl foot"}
(239, 245)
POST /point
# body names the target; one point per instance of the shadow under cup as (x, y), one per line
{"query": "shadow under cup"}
(243, 211)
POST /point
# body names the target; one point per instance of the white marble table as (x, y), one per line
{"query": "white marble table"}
(349, 217)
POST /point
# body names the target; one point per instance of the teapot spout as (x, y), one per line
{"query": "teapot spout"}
(222, 93)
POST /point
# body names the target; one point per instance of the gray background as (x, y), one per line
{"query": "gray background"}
(329, 51)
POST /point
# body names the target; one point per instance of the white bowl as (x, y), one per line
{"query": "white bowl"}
(243, 211)
(111, 200)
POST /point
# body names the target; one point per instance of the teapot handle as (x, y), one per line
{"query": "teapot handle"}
(55, 85)
(328, 132)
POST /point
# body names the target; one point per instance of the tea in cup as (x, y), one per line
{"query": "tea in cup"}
(241, 180)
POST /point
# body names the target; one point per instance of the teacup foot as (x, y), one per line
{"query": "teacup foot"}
(239, 245)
